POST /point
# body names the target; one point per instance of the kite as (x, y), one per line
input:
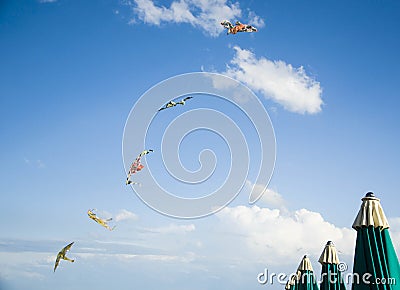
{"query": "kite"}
(136, 166)
(100, 221)
(133, 182)
(171, 104)
(61, 255)
(144, 152)
(239, 27)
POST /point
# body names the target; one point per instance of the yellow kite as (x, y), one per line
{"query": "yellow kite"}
(100, 221)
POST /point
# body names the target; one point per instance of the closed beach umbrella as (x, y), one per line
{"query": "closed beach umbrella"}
(376, 266)
(331, 278)
(305, 279)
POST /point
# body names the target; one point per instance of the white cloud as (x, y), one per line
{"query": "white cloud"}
(172, 229)
(152, 14)
(35, 163)
(272, 199)
(275, 237)
(40, 164)
(223, 83)
(394, 222)
(203, 14)
(269, 198)
(184, 258)
(125, 215)
(36, 266)
(256, 20)
(394, 230)
(276, 80)
(17, 265)
(32, 275)
(47, 1)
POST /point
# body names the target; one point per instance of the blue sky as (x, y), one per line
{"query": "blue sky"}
(70, 74)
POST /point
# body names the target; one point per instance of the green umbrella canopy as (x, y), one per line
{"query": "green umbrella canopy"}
(375, 261)
(305, 278)
(291, 284)
(331, 276)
